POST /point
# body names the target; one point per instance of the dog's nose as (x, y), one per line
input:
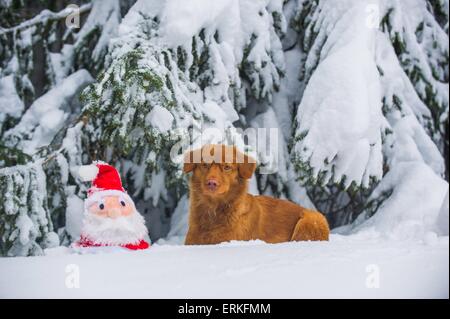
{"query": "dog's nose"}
(212, 184)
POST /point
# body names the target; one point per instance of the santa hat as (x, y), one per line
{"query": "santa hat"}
(105, 182)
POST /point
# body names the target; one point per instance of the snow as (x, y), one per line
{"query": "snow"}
(411, 212)
(341, 107)
(181, 22)
(345, 267)
(47, 115)
(216, 114)
(428, 47)
(155, 191)
(10, 103)
(74, 216)
(25, 220)
(180, 219)
(88, 172)
(46, 15)
(442, 222)
(71, 144)
(288, 93)
(51, 240)
(341, 129)
(409, 140)
(226, 37)
(104, 15)
(26, 227)
(160, 118)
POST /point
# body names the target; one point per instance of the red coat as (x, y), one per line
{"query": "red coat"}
(86, 242)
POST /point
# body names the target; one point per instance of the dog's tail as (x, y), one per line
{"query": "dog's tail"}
(312, 226)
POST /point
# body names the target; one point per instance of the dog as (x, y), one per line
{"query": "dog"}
(221, 209)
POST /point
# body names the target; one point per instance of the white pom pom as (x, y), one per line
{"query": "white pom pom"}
(88, 172)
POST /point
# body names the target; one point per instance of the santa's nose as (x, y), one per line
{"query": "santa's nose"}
(114, 213)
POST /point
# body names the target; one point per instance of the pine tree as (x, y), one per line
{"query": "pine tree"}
(44, 65)
(25, 224)
(409, 58)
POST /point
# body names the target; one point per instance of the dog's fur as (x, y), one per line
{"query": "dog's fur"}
(227, 212)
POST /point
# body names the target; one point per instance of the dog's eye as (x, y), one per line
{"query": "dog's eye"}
(205, 165)
(227, 168)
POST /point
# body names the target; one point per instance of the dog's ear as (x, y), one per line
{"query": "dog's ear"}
(246, 167)
(190, 160)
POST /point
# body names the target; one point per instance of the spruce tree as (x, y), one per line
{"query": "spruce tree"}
(409, 50)
(44, 65)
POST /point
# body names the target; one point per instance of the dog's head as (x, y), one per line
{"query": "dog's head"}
(217, 169)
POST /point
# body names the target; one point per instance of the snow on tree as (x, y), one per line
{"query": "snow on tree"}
(35, 55)
(364, 107)
(48, 114)
(442, 224)
(405, 214)
(25, 223)
(421, 45)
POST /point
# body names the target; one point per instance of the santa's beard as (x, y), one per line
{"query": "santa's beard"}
(118, 231)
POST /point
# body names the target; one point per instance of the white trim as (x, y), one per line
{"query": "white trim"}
(88, 173)
(100, 163)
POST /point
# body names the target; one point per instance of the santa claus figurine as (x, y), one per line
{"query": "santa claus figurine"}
(110, 216)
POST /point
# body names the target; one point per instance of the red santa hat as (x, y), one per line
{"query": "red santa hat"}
(105, 182)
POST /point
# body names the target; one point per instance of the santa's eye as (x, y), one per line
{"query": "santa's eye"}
(122, 202)
(101, 206)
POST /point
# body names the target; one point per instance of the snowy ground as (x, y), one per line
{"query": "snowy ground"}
(347, 266)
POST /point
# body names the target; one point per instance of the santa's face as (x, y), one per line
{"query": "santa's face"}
(113, 220)
(112, 207)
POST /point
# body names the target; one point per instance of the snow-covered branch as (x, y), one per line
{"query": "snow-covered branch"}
(47, 15)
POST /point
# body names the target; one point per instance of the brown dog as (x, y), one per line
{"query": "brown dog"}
(222, 210)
